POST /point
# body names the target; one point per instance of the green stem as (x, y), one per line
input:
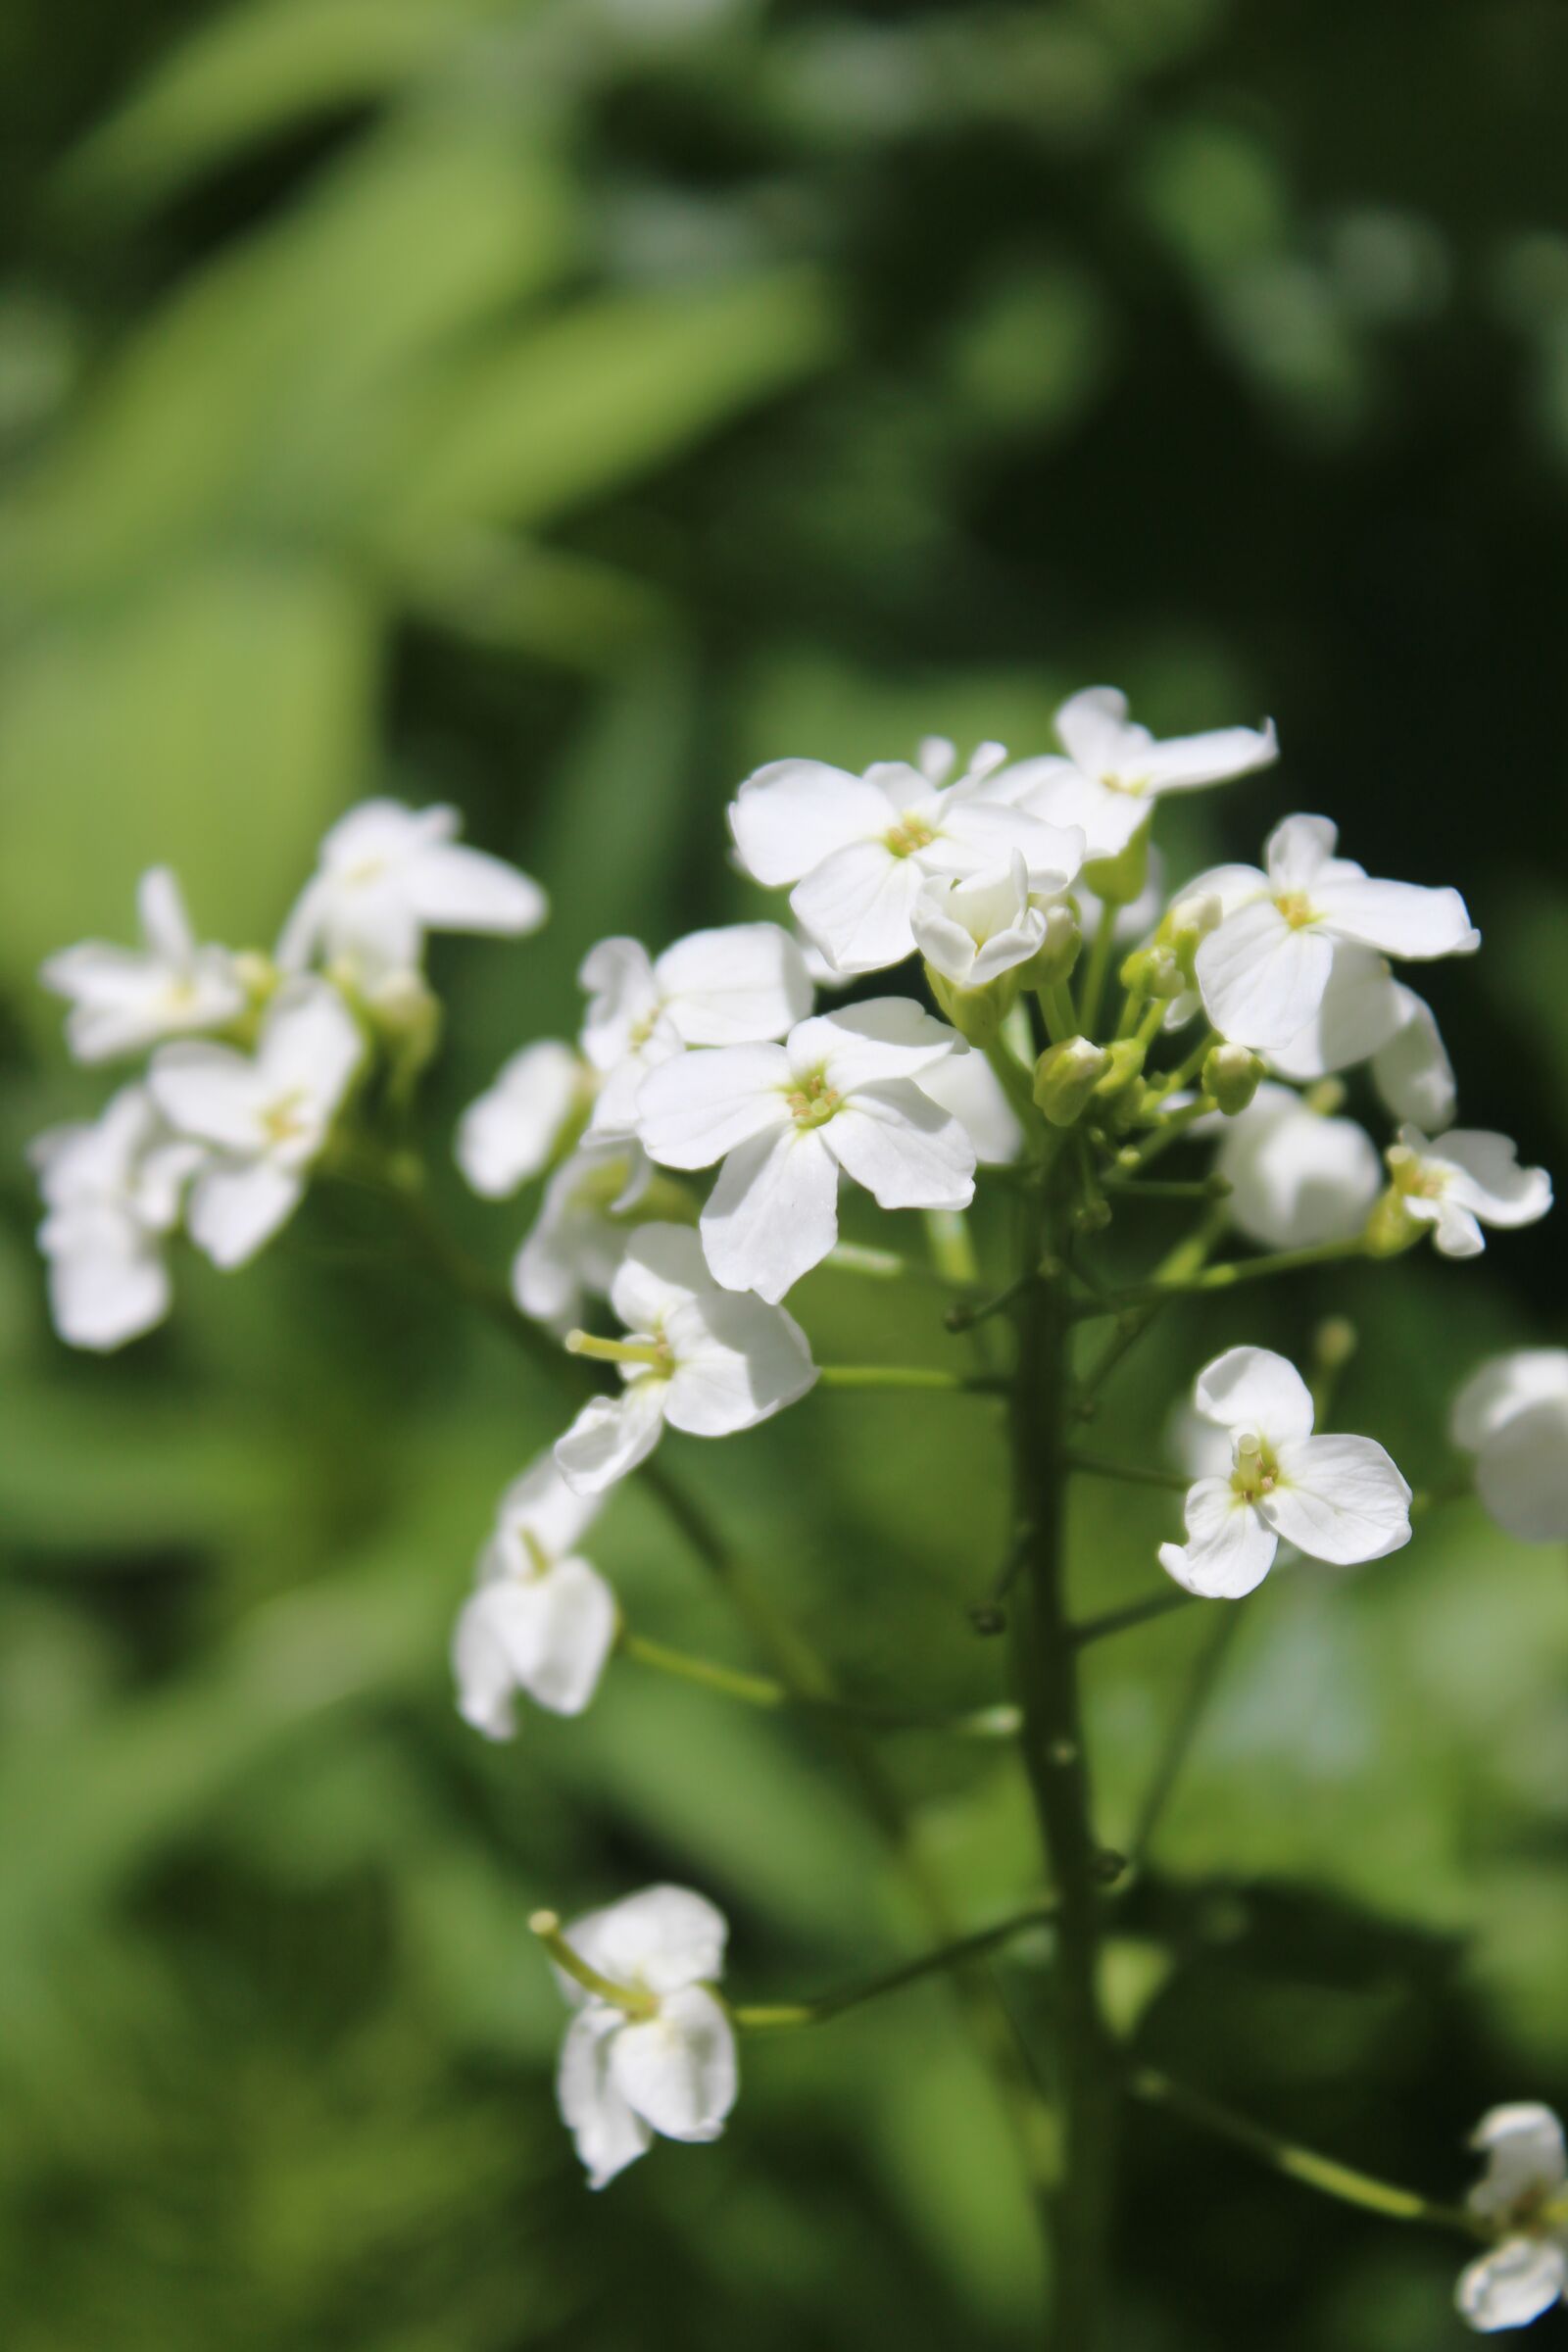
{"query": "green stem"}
(1097, 968)
(1135, 1612)
(1225, 1276)
(902, 1376)
(1300, 2163)
(1001, 1722)
(1185, 1070)
(1185, 1260)
(1172, 1126)
(1182, 1732)
(967, 1948)
(1055, 1002)
(1017, 1084)
(1132, 1473)
(953, 1253)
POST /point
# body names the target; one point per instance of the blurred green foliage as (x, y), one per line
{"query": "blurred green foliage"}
(557, 409)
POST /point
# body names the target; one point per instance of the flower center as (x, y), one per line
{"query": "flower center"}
(1414, 1177)
(281, 1122)
(812, 1102)
(1134, 786)
(1296, 908)
(1256, 1470)
(909, 834)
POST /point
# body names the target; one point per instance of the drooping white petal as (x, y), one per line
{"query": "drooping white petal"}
(692, 1111)
(540, 1505)
(1251, 1389)
(856, 906)
(735, 986)
(1512, 2283)
(236, 1206)
(1360, 1011)
(1297, 1178)
(1228, 1550)
(738, 1362)
(1412, 1071)
(623, 997)
(1456, 1233)
(1484, 1175)
(907, 1152)
(678, 2070)
(514, 1128)
(1091, 728)
(1522, 2145)
(577, 1240)
(660, 1939)
(792, 814)
(612, 1435)
(1522, 1473)
(1339, 1499)
(1261, 977)
(554, 1631)
(1397, 918)
(969, 1088)
(452, 888)
(1507, 1385)
(1297, 852)
(774, 1211)
(888, 1037)
(664, 1269)
(107, 1288)
(161, 911)
(1184, 762)
(608, 2135)
(482, 1670)
(310, 1044)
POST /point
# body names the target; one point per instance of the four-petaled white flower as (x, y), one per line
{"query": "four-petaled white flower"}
(732, 987)
(1298, 1176)
(388, 875)
(1470, 1179)
(586, 1219)
(112, 1193)
(1115, 770)
(124, 1000)
(517, 1126)
(663, 2062)
(860, 848)
(264, 1117)
(1523, 2197)
(973, 928)
(1264, 970)
(1336, 1499)
(702, 1358)
(1512, 1415)
(839, 1094)
(542, 1621)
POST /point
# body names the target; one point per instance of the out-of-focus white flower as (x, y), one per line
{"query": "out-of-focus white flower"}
(1470, 1179)
(542, 1621)
(1339, 1500)
(1297, 1176)
(732, 987)
(859, 849)
(661, 2061)
(1523, 2197)
(839, 1094)
(387, 876)
(967, 1088)
(1366, 1016)
(588, 1214)
(1264, 973)
(704, 1359)
(974, 928)
(112, 1193)
(1115, 770)
(1512, 1415)
(124, 1000)
(264, 1117)
(517, 1126)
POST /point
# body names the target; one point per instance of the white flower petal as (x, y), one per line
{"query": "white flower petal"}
(1505, 1386)
(451, 888)
(1360, 1011)
(482, 1670)
(1511, 2284)
(694, 1109)
(1184, 762)
(1229, 1550)
(658, 1941)
(736, 986)
(608, 2135)
(540, 1504)
(1523, 2142)
(888, 1037)
(1251, 1389)
(612, 1435)
(100, 1296)
(773, 1212)
(738, 1362)
(555, 1631)
(210, 1092)
(1262, 978)
(310, 1042)
(793, 813)
(1299, 851)
(1297, 1179)
(678, 2070)
(977, 836)
(1340, 1499)
(907, 1152)
(1397, 918)
(1059, 795)
(664, 1269)
(1522, 1473)
(969, 1088)
(1091, 728)
(1485, 1177)
(856, 906)
(623, 998)
(237, 1206)
(514, 1128)
(1412, 1071)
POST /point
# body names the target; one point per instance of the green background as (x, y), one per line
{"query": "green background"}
(559, 408)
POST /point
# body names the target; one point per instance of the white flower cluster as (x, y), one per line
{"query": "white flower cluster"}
(253, 1057)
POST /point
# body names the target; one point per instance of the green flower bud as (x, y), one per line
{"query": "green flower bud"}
(1391, 1227)
(1066, 1076)
(1119, 879)
(1053, 960)
(1125, 1059)
(1232, 1075)
(977, 1013)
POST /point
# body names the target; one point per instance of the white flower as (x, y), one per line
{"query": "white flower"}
(1297, 1177)
(1115, 770)
(973, 928)
(1336, 1499)
(1512, 1415)
(580, 1237)
(518, 1125)
(732, 987)
(965, 1085)
(1523, 2197)
(839, 1094)
(859, 849)
(124, 1000)
(1368, 1015)
(112, 1192)
(1470, 1179)
(266, 1116)
(387, 876)
(666, 2065)
(699, 1357)
(1264, 971)
(542, 1621)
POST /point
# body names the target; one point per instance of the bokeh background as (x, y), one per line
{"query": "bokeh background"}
(557, 409)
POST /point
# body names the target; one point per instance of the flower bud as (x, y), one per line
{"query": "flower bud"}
(1066, 1076)
(1125, 1059)
(1053, 960)
(1119, 880)
(1232, 1074)
(977, 1013)
(1391, 1227)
